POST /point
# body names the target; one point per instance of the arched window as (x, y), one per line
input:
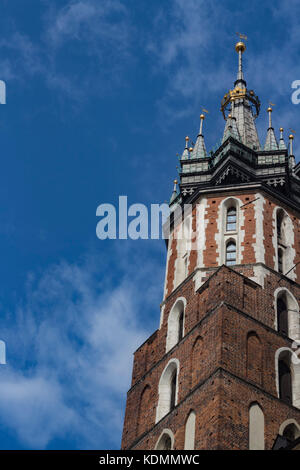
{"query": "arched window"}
(256, 428)
(291, 432)
(230, 253)
(282, 316)
(176, 324)
(290, 429)
(285, 380)
(167, 389)
(165, 441)
(231, 219)
(189, 441)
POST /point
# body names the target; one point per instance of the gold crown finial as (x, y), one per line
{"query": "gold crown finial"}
(240, 47)
(202, 116)
(281, 129)
(175, 181)
(269, 110)
(291, 137)
(187, 138)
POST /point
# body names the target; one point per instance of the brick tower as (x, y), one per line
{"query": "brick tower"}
(222, 370)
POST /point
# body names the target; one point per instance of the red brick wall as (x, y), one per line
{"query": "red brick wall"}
(225, 310)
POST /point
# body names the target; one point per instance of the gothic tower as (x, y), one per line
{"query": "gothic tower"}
(222, 370)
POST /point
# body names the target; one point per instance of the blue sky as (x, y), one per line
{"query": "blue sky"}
(100, 95)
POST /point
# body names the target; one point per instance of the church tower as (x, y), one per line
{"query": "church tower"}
(222, 371)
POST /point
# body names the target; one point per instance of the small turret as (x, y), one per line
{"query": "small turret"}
(271, 142)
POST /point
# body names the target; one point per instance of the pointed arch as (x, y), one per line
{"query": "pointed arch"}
(287, 367)
(144, 410)
(290, 429)
(256, 427)
(176, 323)
(196, 361)
(230, 220)
(254, 357)
(287, 316)
(190, 427)
(165, 441)
(168, 389)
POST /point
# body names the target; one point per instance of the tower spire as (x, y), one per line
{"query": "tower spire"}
(243, 105)
(174, 193)
(200, 149)
(240, 48)
(271, 142)
(282, 145)
(185, 155)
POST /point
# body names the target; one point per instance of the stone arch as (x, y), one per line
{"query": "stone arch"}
(144, 410)
(293, 316)
(254, 357)
(166, 387)
(290, 429)
(256, 427)
(174, 323)
(190, 427)
(165, 441)
(287, 368)
(196, 361)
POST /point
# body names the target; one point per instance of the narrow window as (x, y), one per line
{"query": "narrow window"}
(282, 317)
(180, 327)
(231, 219)
(173, 390)
(285, 382)
(280, 260)
(279, 220)
(230, 253)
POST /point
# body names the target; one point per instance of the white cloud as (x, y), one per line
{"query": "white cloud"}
(96, 34)
(70, 347)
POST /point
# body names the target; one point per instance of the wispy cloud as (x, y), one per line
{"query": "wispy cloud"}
(70, 346)
(96, 34)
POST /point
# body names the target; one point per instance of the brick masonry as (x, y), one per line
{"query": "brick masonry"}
(227, 354)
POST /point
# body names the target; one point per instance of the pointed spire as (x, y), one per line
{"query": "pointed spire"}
(200, 149)
(282, 145)
(271, 142)
(243, 102)
(228, 128)
(185, 155)
(292, 161)
(174, 193)
(240, 48)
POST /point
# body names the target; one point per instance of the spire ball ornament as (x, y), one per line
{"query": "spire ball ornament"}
(240, 47)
